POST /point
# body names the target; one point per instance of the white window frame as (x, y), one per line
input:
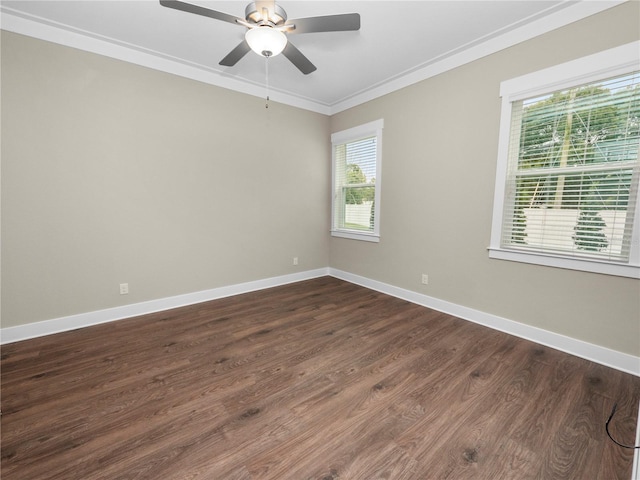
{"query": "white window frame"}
(599, 66)
(351, 135)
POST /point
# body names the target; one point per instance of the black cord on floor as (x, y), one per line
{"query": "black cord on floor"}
(606, 426)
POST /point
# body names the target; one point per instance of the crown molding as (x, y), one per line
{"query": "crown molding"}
(451, 60)
(36, 27)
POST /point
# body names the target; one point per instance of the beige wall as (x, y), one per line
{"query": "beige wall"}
(439, 162)
(115, 173)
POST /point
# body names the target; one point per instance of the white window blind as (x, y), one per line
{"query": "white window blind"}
(568, 166)
(573, 186)
(356, 164)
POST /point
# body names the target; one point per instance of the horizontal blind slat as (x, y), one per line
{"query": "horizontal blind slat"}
(573, 173)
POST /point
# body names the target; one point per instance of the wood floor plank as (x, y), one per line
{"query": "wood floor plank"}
(320, 379)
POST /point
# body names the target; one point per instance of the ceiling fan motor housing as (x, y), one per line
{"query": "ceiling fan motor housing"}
(273, 18)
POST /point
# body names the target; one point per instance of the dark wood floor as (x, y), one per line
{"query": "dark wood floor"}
(316, 380)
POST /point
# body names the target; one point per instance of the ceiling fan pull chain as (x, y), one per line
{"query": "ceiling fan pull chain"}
(266, 68)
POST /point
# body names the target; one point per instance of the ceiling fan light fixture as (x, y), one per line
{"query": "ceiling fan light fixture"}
(266, 41)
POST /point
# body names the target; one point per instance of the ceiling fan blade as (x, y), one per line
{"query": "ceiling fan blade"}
(329, 23)
(296, 57)
(236, 54)
(205, 12)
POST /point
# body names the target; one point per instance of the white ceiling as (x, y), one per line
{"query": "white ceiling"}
(399, 43)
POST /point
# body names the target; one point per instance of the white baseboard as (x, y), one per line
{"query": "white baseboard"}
(635, 470)
(72, 322)
(605, 356)
(611, 358)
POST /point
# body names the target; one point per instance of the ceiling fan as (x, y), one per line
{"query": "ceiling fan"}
(267, 30)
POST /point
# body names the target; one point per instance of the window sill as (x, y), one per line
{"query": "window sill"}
(353, 235)
(585, 265)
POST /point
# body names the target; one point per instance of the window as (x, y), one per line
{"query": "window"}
(356, 182)
(568, 168)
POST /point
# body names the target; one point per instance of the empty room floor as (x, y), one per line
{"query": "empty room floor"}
(320, 379)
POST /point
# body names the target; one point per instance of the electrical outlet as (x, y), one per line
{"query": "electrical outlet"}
(295, 260)
(124, 288)
(425, 279)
